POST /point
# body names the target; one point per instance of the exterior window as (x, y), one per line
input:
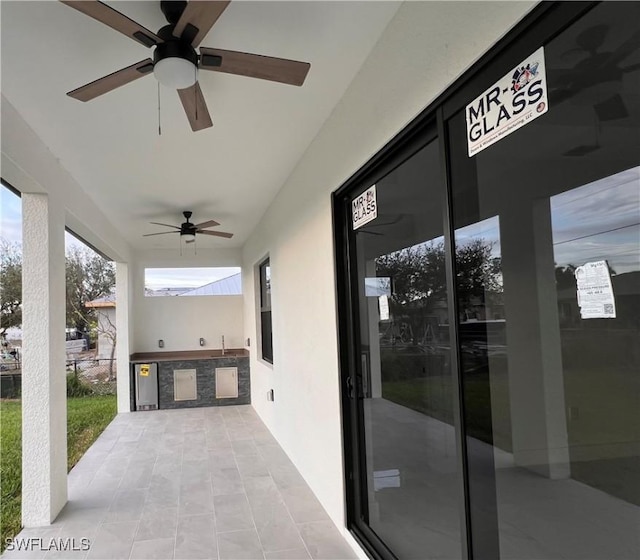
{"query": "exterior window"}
(265, 311)
(209, 281)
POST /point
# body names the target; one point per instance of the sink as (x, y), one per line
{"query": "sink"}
(228, 354)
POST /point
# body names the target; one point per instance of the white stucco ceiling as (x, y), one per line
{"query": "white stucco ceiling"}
(230, 172)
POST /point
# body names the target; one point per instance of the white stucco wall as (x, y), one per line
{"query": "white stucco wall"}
(424, 48)
(181, 321)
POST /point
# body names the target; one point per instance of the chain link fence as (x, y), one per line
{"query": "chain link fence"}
(98, 373)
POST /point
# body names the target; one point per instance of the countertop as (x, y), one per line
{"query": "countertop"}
(146, 357)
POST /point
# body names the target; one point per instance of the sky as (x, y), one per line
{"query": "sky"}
(597, 221)
(155, 278)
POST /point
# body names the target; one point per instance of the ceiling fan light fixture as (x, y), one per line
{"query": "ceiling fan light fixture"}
(189, 237)
(175, 63)
(175, 72)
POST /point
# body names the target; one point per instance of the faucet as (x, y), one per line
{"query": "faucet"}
(223, 345)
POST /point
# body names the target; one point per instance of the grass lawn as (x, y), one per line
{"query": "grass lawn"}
(433, 396)
(86, 418)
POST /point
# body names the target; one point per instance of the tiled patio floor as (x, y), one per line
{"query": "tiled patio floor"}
(207, 483)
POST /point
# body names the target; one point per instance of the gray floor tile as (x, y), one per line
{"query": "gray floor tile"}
(157, 522)
(194, 452)
(226, 481)
(136, 476)
(276, 528)
(126, 506)
(260, 485)
(251, 465)
(195, 499)
(286, 476)
(244, 447)
(113, 541)
(153, 480)
(167, 495)
(157, 549)
(232, 513)
(274, 455)
(303, 505)
(238, 432)
(83, 510)
(295, 554)
(221, 458)
(324, 542)
(196, 538)
(240, 545)
(67, 552)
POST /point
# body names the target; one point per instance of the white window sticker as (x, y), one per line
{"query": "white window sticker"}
(364, 207)
(383, 303)
(595, 291)
(515, 100)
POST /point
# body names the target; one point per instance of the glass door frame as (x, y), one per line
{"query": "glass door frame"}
(349, 332)
(544, 22)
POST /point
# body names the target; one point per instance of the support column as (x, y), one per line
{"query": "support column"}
(44, 394)
(536, 381)
(123, 386)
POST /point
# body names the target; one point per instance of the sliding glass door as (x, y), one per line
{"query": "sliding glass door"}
(410, 490)
(551, 341)
(490, 314)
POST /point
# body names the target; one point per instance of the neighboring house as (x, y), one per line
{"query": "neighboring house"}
(106, 317)
(165, 292)
(230, 286)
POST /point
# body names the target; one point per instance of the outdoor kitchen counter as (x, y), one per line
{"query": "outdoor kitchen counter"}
(147, 357)
(204, 364)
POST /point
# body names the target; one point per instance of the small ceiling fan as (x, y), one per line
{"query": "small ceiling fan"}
(188, 230)
(175, 60)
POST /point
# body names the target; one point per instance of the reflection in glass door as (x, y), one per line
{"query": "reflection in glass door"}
(530, 399)
(410, 484)
(550, 347)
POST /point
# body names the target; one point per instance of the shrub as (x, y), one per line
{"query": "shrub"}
(76, 387)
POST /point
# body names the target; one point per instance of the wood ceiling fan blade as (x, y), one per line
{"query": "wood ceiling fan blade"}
(113, 81)
(166, 225)
(281, 70)
(198, 18)
(210, 223)
(114, 19)
(160, 233)
(195, 107)
(216, 233)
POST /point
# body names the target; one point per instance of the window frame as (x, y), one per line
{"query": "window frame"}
(265, 317)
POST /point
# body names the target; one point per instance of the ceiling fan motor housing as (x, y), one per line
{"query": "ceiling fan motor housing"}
(173, 47)
(187, 228)
(174, 61)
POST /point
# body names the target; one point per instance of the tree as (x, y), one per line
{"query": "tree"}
(106, 329)
(478, 274)
(10, 286)
(418, 276)
(89, 276)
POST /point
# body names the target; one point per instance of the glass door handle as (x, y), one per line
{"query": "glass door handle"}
(350, 392)
(351, 388)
